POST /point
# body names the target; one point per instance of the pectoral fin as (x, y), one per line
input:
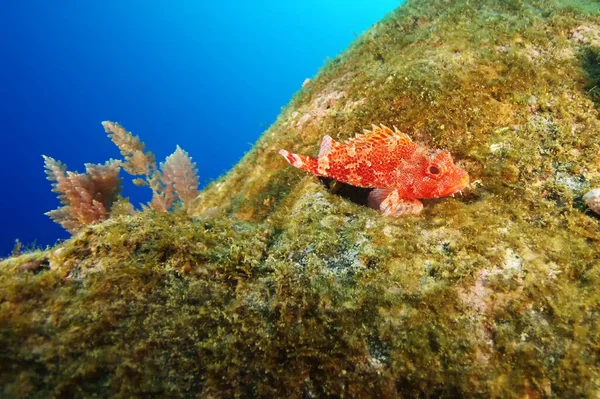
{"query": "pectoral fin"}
(388, 201)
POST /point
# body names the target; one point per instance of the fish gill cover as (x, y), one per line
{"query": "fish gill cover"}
(273, 283)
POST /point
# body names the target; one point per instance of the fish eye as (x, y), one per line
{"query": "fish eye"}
(435, 170)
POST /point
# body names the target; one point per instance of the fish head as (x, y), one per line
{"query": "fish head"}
(438, 176)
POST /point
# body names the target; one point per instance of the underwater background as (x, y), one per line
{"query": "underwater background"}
(273, 283)
(208, 76)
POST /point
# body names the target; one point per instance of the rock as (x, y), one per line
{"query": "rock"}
(281, 287)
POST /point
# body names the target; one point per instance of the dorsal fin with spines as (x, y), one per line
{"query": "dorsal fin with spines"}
(327, 146)
(378, 135)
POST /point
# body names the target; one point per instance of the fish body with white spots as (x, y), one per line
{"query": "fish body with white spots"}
(400, 171)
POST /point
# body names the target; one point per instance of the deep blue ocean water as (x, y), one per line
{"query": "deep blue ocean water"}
(208, 76)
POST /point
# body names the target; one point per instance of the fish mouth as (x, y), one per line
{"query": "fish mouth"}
(461, 185)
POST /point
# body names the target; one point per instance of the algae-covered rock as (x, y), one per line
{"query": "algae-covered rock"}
(282, 285)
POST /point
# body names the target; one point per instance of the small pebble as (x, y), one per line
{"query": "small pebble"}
(30, 266)
(592, 199)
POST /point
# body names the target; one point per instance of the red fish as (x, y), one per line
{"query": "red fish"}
(400, 171)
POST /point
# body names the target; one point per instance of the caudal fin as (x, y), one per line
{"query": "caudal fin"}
(303, 162)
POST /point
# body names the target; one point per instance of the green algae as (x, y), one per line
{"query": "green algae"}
(281, 287)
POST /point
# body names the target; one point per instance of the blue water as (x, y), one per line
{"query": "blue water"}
(208, 76)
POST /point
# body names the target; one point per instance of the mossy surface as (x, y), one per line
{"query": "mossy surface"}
(281, 286)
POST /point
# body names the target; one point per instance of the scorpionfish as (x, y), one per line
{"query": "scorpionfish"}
(399, 171)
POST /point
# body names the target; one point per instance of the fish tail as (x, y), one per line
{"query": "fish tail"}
(303, 162)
